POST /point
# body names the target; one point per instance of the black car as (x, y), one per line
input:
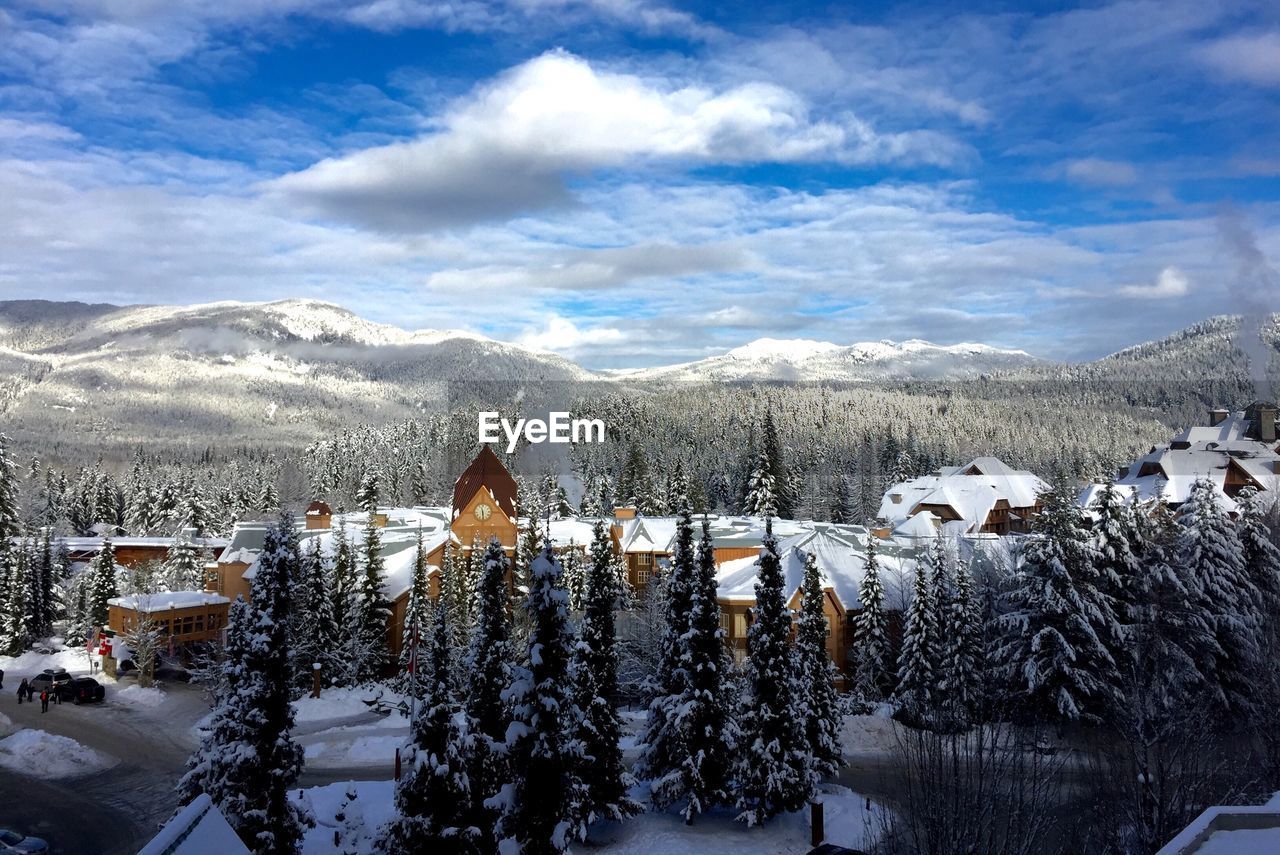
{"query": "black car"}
(81, 690)
(13, 842)
(51, 679)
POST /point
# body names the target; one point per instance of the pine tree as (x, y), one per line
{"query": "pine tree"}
(248, 761)
(917, 678)
(374, 610)
(1259, 552)
(871, 632)
(596, 687)
(102, 584)
(1212, 554)
(784, 494)
(1116, 545)
(315, 629)
(46, 570)
(762, 493)
(10, 513)
(774, 765)
(435, 791)
(488, 673)
(1053, 650)
(816, 675)
(543, 794)
(417, 615)
(344, 600)
(183, 570)
(662, 753)
(15, 635)
(961, 665)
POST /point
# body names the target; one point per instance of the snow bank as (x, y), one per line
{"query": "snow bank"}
(361, 751)
(376, 800)
(338, 703)
(75, 660)
(137, 696)
(46, 755)
(847, 823)
(868, 735)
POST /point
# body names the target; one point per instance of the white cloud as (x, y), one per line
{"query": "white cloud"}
(1171, 283)
(510, 146)
(561, 335)
(1252, 58)
(1102, 173)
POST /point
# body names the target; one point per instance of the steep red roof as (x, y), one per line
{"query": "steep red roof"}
(486, 471)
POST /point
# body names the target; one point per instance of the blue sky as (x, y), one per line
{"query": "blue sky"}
(630, 183)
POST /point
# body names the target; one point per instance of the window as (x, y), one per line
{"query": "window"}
(740, 625)
(643, 574)
(644, 559)
(725, 624)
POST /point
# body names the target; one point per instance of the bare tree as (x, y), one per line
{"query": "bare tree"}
(984, 790)
(142, 636)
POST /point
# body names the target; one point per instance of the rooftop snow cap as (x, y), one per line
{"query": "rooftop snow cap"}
(486, 471)
(319, 509)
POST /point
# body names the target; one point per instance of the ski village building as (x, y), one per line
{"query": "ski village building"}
(982, 497)
(1233, 450)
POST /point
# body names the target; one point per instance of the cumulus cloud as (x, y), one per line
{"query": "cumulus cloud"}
(1171, 283)
(1250, 57)
(561, 335)
(512, 145)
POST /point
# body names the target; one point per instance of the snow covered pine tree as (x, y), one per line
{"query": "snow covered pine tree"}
(816, 674)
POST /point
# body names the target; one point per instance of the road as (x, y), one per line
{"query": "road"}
(116, 811)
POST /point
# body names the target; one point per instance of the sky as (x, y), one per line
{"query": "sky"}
(629, 183)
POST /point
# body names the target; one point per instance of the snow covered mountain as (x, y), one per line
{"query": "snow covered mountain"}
(769, 359)
(288, 372)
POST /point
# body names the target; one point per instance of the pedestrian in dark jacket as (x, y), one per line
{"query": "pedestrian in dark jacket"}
(23, 690)
(44, 700)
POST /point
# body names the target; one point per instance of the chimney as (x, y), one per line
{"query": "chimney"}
(1267, 423)
(624, 513)
(1217, 416)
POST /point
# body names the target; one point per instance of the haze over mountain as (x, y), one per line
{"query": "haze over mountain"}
(291, 371)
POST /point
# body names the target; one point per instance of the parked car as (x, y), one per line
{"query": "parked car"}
(51, 679)
(13, 842)
(82, 690)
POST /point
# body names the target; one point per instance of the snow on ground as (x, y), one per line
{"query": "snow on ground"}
(5, 723)
(137, 696)
(869, 735)
(46, 755)
(340, 703)
(375, 803)
(359, 751)
(31, 663)
(847, 823)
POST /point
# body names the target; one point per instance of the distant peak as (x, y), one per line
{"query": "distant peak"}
(788, 348)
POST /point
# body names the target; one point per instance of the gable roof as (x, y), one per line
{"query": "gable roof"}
(486, 471)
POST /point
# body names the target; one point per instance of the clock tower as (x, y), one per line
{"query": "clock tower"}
(484, 502)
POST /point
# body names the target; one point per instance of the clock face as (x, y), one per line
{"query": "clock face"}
(483, 512)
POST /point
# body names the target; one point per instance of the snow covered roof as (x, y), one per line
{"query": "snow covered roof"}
(971, 492)
(399, 541)
(1230, 830)
(842, 561)
(93, 544)
(1222, 452)
(163, 600)
(658, 534)
(198, 829)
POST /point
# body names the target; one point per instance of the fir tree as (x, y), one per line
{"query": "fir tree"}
(10, 513)
(543, 794)
(596, 687)
(46, 569)
(248, 761)
(662, 752)
(417, 616)
(15, 635)
(784, 494)
(435, 791)
(1115, 546)
(373, 608)
(315, 629)
(816, 675)
(761, 499)
(774, 764)
(919, 655)
(1259, 552)
(183, 570)
(1211, 552)
(961, 665)
(102, 584)
(488, 673)
(1053, 652)
(871, 633)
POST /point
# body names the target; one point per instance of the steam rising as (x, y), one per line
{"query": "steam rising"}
(1255, 289)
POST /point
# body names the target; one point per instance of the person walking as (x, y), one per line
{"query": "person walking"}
(44, 700)
(23, 689)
